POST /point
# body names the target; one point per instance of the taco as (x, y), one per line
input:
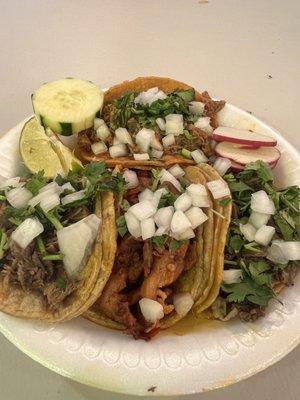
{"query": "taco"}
(151, 122)
(56, 254)
(169, 252)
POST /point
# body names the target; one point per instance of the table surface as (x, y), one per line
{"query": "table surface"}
(246, 52)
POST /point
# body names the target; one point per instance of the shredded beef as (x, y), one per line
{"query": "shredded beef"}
(77, 214)
(55, 295)
(212, 107)
(284, 278)
(85, 139)
(249, 312)
(4, 222)
(147, 258)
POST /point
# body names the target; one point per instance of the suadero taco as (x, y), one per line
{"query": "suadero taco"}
(170, 250)
(151, 122)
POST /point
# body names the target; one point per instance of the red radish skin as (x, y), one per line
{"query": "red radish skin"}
(242, 136)
(246, 155)
(240, 167)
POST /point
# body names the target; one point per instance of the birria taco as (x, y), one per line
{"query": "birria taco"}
(151, 122)
(169, 256)
(56, 253)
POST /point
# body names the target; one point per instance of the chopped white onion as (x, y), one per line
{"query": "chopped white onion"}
(99, 148)
(203, 123)
(198, 194)
(133, 224)
(222, 165)
(157, 153)
(232, 276)
(131, 178)
(152, 310)
(29, 229)
(196, 216)
(123, 136)
(162, 230)
(11, 182)
(168, 140)
(118, 150)
(185, 235)
(147, 228)
(183, 202)
(143, 210)
(282, 252)
(161, 124)
(19, 197)
(163, 216)
(70, 198)
(75, 242)
(199, 156)
(150, 96)
(98, 122)
(261, 202)
(141, 157)
(157, 196)
(183, 302)
(174, 124)
(67, 186)
(51, 187)
(102, 131)
(116, 141)
(165, 176)
(179, 222)
(50, 201)
(176, 171)
(46, 191)
(143, 139)
(146, 194)
(276, 253)
(264, 235)
(155, 143)
(218, 188)
(248, 231)
(196, 107)
(292, 250)
(258, 219)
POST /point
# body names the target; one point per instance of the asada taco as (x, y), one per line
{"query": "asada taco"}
(151, 122)
(169, 253)
(58, 243)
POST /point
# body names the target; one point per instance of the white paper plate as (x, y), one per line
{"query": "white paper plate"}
(184, 360)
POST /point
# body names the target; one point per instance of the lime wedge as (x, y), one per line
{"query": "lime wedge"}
(41, 152)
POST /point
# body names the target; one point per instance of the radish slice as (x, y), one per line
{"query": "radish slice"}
(199, 156)
(258, 219)
(99, 148)
(260, 202)
(222, 165)
(19, 197)
(185, 235)
(203, 123)
(176, 171)
(143, 210)
(248, 231)
(163, 216)
(143, 139)
(246, 155)
(131, 179)
(29, 229)
(165, 176)
(196, 107)
(141, 157)
(242, 136)
(146, 194)
(157, 153)
(183, 202)
(240, 167)
(218, 188)
(123, 136)
(70, 198)
(161, 124)
(196, 216)
(133, 224)
(147, 228)
(264, 235)
(118, 150)
(155, 143)
(168, 140)
(198, 194)
(183, 302)
(174, 124)
(232, 276)
(152, 310)
(180, 222)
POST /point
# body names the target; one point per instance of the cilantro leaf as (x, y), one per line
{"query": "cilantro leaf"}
(36, 182)
(258, 271)
(285, 228)
(61, 284)
(238, 187)
(155, 177)
(4, 242)
(167, 199)
(175, 244)
(121, 225)
(17, 215)
(186, 95)
(159, 241)
(262, 169)
(224, 202)
(95, 172)
(236, 242)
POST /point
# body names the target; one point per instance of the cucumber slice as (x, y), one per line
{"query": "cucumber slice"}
(67, 106)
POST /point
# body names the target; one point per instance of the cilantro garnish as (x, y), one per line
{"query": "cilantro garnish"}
(121, 225)
(36, 182)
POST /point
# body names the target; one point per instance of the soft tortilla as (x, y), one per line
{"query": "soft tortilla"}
(93, 276)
